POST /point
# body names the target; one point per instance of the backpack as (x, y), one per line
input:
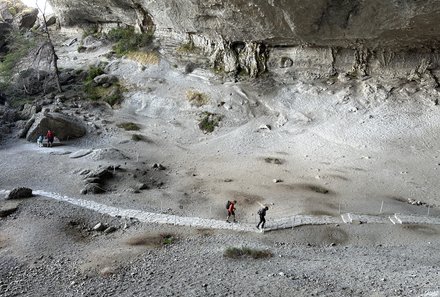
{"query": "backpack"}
(260, 211)
(228, 204)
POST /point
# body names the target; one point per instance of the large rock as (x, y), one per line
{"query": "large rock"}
(31, 81)
(63, 126)
(20, 193)
(26, 18)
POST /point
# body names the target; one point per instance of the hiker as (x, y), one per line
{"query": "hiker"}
(49, 137)
(262, 214)
(40, 140)
(231, 210)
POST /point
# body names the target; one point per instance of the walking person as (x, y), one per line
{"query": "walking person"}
(262, 214)
(230, 206)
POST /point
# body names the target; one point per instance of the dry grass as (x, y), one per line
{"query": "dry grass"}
(197, 98)
(144, 58)
(236, 253)
(157, 241)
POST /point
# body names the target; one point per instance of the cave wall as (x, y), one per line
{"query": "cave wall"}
(343, 23)
(292, 38)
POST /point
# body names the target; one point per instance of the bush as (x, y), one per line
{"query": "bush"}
(19, 47)
(236, 253)
(209, 121)
(126, 40)
(168, 239)
(137, 137)
(112, 94)
(93, 72)
(129, 126)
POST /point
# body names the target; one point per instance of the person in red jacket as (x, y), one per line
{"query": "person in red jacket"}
(49, 137)
(231, 211)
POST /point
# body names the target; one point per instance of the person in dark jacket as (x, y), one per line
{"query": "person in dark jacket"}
(262, 214)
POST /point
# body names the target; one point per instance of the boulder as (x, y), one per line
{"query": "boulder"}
(26, 19)
(63, 126)
(99, 227)
(20, 193)
(32, 80)
(93, 188)
(105, 79)
(28, 125)
(110, 229)
(51, 20)
(91, 43)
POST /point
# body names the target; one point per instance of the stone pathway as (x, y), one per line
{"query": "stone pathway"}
(272, 225)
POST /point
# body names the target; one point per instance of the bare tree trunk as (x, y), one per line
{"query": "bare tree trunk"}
(52, 49)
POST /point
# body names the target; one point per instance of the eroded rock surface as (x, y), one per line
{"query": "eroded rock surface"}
(320, 22)
(298, 38)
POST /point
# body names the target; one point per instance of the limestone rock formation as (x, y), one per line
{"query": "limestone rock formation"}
(296, 38)
(320, 22)
(64, 127)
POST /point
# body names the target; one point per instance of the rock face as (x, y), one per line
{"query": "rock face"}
(294, 38)
(14, 14)
(320, 22)
(64, 127)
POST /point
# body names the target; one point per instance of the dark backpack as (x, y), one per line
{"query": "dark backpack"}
(228, 204)
(260, 211)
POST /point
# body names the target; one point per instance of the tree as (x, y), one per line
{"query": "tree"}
(52, 58)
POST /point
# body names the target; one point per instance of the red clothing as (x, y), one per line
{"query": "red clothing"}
(49, 134)
(231, 207)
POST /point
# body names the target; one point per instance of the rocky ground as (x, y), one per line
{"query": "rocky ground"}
(328, 150)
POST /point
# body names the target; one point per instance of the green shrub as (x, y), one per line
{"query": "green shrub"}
(235, 253)
(112, 94)
(126, 40)
(129, 126)
(93, 72)
(168, 239)
(18, 47)
(137, 137)
(209, 121)
(19, 102)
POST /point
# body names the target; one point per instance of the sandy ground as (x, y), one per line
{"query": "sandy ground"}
(330, 154)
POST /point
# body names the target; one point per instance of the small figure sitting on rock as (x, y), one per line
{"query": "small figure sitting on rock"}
(40, 140)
